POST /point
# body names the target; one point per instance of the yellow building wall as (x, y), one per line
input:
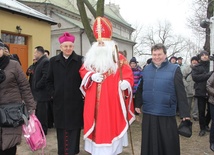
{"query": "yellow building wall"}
(38, 32)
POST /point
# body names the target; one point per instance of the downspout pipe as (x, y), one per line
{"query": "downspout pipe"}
(81, 41)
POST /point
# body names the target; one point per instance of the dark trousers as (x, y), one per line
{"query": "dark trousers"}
(204, 117)
(50, 114)
(10, 151)
(134, 105)
(41, 113)
(212, 123)
(68, 141)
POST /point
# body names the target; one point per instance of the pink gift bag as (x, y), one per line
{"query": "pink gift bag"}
(34, 134)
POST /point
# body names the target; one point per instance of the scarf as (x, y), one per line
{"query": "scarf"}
(4, 61)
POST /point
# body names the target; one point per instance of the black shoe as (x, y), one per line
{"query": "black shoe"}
(212, 146)
(207, 129)
(202, 133)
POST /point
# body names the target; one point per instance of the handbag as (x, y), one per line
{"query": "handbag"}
(13, 114)
(185, 128)
(34, 134)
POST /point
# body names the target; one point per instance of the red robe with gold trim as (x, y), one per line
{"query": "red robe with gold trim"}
(105, 111)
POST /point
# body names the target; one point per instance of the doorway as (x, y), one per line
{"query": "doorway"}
(17, 45)
(22, 52)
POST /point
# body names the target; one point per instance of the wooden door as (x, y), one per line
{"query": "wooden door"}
(22, 52)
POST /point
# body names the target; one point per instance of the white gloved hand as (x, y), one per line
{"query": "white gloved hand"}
(97, 77)
(124, 85)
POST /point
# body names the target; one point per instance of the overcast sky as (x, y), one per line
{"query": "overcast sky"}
(148, 12)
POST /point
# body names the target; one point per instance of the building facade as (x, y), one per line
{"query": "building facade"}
(23, 28)
(66, 14)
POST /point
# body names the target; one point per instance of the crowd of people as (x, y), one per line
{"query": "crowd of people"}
(195, 77)
(103, 93)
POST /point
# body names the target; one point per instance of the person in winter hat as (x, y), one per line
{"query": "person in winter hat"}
(194, 58)
(133, 59)
(173, 59)
(203, 53)
(200, 75)
(189, 87)
(137, 71)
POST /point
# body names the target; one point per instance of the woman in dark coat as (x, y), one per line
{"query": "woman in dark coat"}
(63, 82)
(210, 90)
(14, 88)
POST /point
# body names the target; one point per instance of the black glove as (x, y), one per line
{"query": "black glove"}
(185, 128)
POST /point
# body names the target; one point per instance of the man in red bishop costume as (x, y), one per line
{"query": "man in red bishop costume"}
(107, 87)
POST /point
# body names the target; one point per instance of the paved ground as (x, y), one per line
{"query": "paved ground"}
(189, 146)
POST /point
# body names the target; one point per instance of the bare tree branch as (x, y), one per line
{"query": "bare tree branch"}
(90, 7)
(176, 45)
(84, 18)
(202, 9)
(85, 21)
(100, 8)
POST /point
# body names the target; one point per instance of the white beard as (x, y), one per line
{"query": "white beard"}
(100, 58)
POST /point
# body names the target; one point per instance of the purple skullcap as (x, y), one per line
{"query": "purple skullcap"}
(66, 37)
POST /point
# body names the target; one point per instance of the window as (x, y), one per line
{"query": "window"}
(13, 39)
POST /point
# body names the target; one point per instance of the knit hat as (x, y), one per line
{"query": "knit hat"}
(133, 59)
(203, 53)
(194, 58)
(179, 58)
(173, 57)
(66, 37)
